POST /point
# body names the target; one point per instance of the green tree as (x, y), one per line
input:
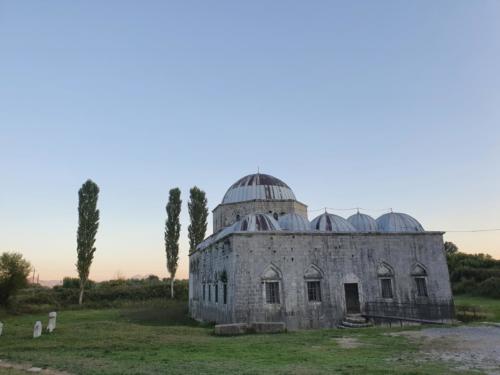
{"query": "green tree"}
(88, 222)
(172, 232)
(450, 248)
(14, 272)
(198, 213)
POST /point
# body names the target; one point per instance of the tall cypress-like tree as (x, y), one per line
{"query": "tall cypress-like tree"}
(172, 232)
(198, 213)
(88, 222)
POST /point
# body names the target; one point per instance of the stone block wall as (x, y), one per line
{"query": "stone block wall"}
(249, 258)
(227, 214)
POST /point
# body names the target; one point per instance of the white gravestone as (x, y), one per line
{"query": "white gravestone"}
(1, 328)
(52, 322)
(37, 331)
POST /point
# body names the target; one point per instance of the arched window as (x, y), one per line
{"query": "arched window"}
(385, 275)
(271, 281)
(313, 277)
(420, 277)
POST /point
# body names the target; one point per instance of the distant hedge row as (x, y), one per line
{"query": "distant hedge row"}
(98, 294)
(474, 274)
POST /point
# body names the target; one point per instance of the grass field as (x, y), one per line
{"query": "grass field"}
(161, 339)
(488, 306)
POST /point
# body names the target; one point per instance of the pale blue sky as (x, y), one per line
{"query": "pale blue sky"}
(372, 104)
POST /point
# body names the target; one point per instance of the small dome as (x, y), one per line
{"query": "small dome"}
(258, 186)
(363, 223)
(331, 223)
(398, 222)
(257, 223)
(294, 223)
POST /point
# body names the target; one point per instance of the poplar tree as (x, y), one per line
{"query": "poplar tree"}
(172, 232)
(198, 213)
(88, 222)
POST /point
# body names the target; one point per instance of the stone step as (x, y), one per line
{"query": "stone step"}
(231, 329)
(355, 319)
(346, 324)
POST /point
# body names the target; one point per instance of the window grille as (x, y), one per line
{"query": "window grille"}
(314, 291)
(273, 292)
(421, 286)
(386, 285)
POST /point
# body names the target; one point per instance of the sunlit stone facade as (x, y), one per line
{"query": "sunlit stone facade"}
(311, 275)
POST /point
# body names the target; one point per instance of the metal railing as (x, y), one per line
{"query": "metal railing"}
(469, 313)
(431, 312)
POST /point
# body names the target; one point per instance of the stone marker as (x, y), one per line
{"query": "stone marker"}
(37, 331)
(230, 329)
(52, 322)
(1, 328)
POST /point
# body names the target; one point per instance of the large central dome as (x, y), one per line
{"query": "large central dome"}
(258, 186)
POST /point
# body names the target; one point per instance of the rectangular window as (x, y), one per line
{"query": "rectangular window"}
(209, 292)
(386, 285)
(314, 291)
(203, 292)
(224, 293)
(216, 293)
(273, 292)
(421, 286)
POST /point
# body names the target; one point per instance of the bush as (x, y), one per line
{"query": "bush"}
(103, 294)
(465, 286)
(490, 287)
(74, 283)
(14, 272)
(474, 274)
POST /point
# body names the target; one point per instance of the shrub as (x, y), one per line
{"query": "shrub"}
(474, 274)
(490, 287)
(110, 293)
(14, 271)
(74, 283)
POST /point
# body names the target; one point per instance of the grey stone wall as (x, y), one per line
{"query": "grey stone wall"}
(227, 214)
(248, 258)
(210, 267)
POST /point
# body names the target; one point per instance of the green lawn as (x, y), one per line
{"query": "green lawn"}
(490, 307)
(161, 339)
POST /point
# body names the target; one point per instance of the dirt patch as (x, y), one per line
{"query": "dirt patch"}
(29, 369)
(348, 342)
(466, 347)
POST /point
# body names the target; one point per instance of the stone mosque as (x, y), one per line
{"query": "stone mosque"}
(266, 262)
